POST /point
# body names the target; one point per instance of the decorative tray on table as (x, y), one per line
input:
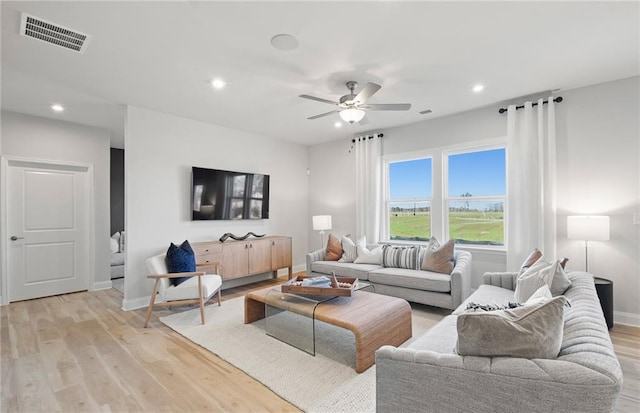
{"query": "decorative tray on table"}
(321, 285)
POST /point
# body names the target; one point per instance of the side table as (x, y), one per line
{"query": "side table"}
(604, 288)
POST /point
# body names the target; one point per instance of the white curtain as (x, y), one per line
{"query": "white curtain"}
(368, 153)
(531, 182)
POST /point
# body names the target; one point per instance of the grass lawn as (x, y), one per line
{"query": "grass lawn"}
(467, 226)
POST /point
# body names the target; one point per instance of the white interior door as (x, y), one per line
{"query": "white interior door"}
(48, 230)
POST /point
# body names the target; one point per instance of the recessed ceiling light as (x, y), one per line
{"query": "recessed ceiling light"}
(218, 83)
(284, 42)
(478, 88)
(57, 108)
(338, 124)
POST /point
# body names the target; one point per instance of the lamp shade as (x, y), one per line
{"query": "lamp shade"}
(321, 222)
(588, 228)
(352, 115)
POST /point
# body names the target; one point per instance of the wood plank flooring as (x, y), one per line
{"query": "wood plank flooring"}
(81, 352)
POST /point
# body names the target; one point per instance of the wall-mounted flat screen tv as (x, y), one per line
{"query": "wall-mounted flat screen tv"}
(225, 195)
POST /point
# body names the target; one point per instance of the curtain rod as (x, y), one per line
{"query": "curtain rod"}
(378, 135)
(557, 100)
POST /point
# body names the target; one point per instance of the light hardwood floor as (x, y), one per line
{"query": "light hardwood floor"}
(81, 352)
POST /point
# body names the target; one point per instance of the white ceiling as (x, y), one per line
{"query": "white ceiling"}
(161, 56)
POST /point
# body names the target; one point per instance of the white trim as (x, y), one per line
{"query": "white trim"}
(134, 304)
(5, 162)
(102, 285)
(627, 319)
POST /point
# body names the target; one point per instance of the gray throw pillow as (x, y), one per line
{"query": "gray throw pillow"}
(531, 331)
(439, 258)
(538, 275)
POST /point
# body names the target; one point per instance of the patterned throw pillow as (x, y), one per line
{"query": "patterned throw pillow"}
(180, 259)
(349, 247)
(439, 258)
(540, 274)
(334, 249)
(400, 257)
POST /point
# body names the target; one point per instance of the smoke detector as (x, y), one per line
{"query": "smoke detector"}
(52, 33)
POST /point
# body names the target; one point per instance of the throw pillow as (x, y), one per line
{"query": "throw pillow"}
(349, 248)
(400, 257)
(366, 256)
(531, 331)
(115, 237)
(180, 259)
(334, 249)
(121, 240)
(552, 275)
(530, 260)
(113, 245)
(439, 259)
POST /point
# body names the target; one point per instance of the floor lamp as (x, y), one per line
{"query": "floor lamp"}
(588, 228)
(321, 223)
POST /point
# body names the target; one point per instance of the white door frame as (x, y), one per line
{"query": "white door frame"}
(5, 163)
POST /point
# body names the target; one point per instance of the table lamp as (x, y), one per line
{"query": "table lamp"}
(321, 223)
(588, 228)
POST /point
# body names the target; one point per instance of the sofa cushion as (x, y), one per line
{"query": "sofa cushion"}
(414, 279)
(344, 269)
(400, 257)
(530, 260)
(189, 288)
(439, 258)
(487, 294)
(334, 249)
(531, 331)
(350, 248)
(117, 259)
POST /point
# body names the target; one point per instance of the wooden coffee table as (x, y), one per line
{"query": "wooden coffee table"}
(375, 320)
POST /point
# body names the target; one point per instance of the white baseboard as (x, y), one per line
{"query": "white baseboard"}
(134, 304)
(102, 285)
(628, 319)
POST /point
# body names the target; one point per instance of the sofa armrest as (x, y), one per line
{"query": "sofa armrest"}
(461, 277)
(317, 255)
(501, 279)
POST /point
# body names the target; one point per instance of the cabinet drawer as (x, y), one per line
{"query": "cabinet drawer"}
(209, 269)
(208, 258)
(206, 248)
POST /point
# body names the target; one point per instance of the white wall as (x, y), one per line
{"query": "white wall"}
(598, 174)
(598, 158)
(159, 153)
(47, 139)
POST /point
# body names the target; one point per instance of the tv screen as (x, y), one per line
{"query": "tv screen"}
(218, 194)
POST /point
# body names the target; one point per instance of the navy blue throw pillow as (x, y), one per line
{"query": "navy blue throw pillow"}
(180, 259)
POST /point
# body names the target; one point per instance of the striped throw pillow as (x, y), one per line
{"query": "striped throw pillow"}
(401, 257)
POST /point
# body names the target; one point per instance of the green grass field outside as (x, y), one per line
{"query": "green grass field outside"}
(467, 226)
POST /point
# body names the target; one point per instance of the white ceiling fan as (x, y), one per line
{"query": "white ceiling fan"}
(351, 107)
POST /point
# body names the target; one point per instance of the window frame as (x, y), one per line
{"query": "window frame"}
(489, 198)
(439, 184)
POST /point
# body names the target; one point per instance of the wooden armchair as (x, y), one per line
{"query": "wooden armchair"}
(196, 290)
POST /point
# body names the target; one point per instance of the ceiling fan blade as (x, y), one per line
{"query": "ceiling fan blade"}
(389, 106)
(367, 91)
(319, 99)
(322, 115)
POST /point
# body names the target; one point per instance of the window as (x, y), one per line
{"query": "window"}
(476, 188)
(409, 199)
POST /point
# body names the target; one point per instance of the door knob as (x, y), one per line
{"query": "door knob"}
(14, 238)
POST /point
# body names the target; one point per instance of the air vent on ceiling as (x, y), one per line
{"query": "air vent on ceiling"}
(52, 33)
(424, 112)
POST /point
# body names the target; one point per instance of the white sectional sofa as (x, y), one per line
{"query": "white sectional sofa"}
(429, 376)
(425, 287)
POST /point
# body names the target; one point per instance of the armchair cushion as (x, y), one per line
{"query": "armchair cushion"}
(180, 259)
(188, 289)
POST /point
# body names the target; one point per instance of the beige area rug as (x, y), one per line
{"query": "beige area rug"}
(324, 383)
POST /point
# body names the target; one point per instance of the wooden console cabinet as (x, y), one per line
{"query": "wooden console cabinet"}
(243, 258)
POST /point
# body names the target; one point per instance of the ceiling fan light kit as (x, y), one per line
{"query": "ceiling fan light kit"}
(352, 115)
(351, 107)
